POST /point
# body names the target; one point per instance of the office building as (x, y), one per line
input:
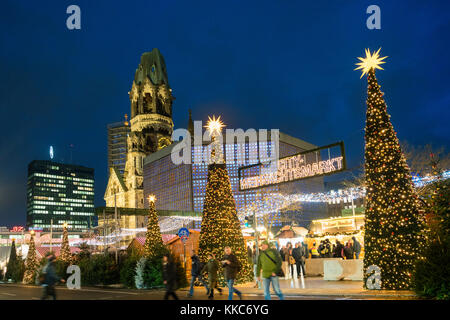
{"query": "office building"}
(59, 193)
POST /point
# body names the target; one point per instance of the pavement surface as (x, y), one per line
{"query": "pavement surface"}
(315, 289)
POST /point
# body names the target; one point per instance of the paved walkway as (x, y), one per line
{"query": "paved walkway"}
(316, 286)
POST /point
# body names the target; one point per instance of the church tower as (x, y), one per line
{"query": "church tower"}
(151, 129)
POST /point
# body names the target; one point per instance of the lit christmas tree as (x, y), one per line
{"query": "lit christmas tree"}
(153, 238)
(15, 265)
(65, 254)
(220, 224)
(31, 264)
(393, 224)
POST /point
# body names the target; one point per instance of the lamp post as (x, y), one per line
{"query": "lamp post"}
(51, 234)
(255, 226)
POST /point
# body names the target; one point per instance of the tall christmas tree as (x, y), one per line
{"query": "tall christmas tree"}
(65, 254)
(31, 264)
(153, 238)
(393, 224)
(220, 224)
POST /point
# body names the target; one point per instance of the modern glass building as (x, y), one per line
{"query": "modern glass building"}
(117, 145)
(59, 193)
(182, 187)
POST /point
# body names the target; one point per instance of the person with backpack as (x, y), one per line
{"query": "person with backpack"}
(49, 278)
(196, 268)
(211, 267)
(231, 267)
(269, 262)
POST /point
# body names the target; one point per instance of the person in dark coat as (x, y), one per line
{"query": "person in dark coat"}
(328, 248)
(211, 267)
(169, 274)
(50, 278)
(356, 247)
(348, 251)
(339, 250)
(231, 268)
(196, 273)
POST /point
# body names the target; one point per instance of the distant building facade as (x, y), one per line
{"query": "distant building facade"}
(117, 145)
(59, 192)
(182, 187)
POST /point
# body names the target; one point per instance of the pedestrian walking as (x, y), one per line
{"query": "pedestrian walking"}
(231, 267)
(211, 267)
(292, 264)
(356, 247)
(169, 274)
(255, 264)
(196, 268)
(269, 262)
(49, 278)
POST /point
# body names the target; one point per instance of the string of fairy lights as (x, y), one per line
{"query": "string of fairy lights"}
(275, 201)
(272, 203)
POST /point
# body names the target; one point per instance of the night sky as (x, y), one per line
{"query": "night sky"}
(260, 64)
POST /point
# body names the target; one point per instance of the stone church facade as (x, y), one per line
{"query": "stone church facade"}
(151, 130)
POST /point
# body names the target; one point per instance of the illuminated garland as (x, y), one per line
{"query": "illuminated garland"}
(278, 201)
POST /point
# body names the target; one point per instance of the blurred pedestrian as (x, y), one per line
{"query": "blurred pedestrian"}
(49, 278)
(169, 276)
(196, 268)
(255, 264)
(231, 267)
(212, 267)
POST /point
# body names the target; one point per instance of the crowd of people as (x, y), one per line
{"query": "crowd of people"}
(350, 250)
(230, 265)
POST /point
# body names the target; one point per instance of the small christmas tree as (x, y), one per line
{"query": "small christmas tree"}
(14, 268)
(65, 254)
(31, 264)
(220, 224)
(153, 239)
(139, 278)
(393, 224)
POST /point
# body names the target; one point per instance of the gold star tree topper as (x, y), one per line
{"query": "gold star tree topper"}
(214, 126)
(370, 61)
(151, 198)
